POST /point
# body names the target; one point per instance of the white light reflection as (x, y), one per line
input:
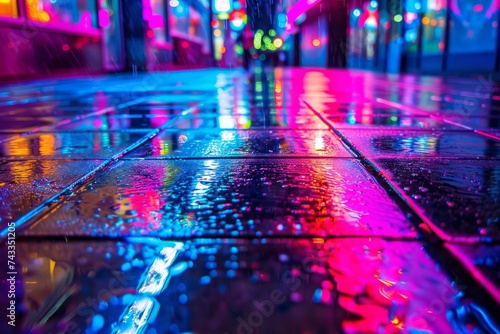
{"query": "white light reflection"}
(155, 279)
(227, 122)
(145, 308)
(227, 135)
(137, 316)
(319, 143)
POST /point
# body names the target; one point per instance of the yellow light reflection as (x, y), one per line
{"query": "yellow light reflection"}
(52, 265)
(36, 12)
(22, 173)
(8, 8)
(47, 144)
(18, 147)
(397, 322)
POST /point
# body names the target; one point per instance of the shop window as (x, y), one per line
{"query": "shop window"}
(8, 8)
(190, 21)
(179, 20)
(69, 12)
(434, 23)
(363, 27)
(412, 19)
(154, 14)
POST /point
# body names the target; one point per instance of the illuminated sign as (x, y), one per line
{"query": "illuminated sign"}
(297, 10)
(237, 19)
(222, 6)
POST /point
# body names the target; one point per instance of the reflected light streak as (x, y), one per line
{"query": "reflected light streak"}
(319, 143)
(155, 279)
(18, 147)
(278, 97)
(144, 309)
(227, 135)
(226, 122)
(136, 316)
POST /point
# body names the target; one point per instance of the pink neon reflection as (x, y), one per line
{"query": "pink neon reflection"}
(298, 9)
(103, 18)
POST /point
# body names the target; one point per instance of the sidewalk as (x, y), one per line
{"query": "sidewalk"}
(286, 201)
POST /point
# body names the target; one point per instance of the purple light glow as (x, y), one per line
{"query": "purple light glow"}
(297, 10)
(103, 18)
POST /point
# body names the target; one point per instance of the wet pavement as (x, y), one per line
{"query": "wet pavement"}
(282, 201)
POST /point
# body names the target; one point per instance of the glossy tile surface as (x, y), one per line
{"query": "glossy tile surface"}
(239, 143)
(403, 143)
(233, 286)
(25, 184)
(229, 197)
(301, 201)
(68, 145)
(460, 197)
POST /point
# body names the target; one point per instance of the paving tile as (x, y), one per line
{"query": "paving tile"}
(203, 143)
(388, 121)
(250, 121)
(69, 145)
(460, 196)
(401, 143)
(255, 197)
(477, 122)
(233, 286)
(160, 107)
(252, 164)
(26, 184)
(115, 123)
(484, 257)
(18, 125)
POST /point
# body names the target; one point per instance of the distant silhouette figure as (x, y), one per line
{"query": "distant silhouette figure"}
(247, 44)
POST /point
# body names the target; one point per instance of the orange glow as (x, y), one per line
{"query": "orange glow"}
(425, 20)
(434, 22)
(397, 322)
(316, 42)
(278, 42)
(35, 13)
(222, 49)
(8, 8)
(47, 144)
(278, 87)
(18, 147)
(217, 32)
(318, 240)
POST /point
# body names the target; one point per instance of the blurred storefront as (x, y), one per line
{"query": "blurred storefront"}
(169, 33)
(315, 33)
(41, 37)
(190, 32)
(424, 36)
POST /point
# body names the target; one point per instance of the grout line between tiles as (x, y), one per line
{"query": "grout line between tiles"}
(76, 238)
(55, 199)
(435, 236)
